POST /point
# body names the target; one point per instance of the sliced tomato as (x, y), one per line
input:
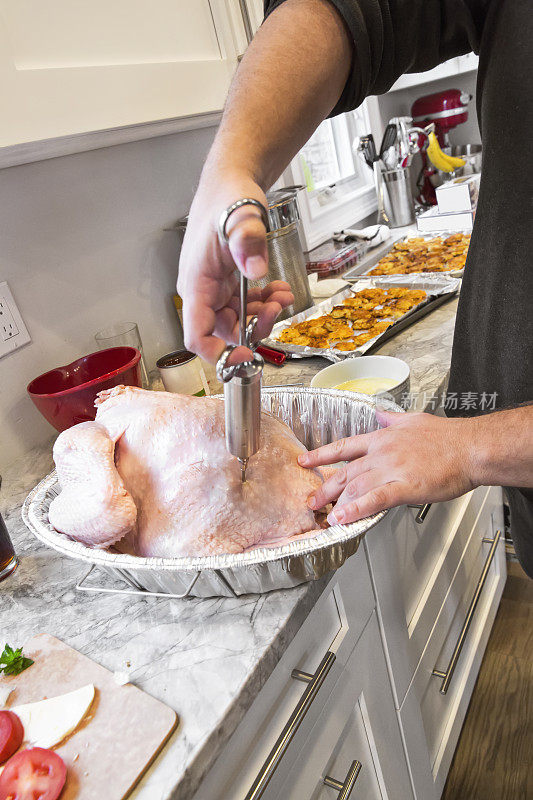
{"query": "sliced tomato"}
(11, 734)
(35, 774)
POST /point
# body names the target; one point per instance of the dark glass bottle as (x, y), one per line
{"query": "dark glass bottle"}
(8, 559)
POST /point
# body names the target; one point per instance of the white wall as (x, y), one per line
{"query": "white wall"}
(81, 246)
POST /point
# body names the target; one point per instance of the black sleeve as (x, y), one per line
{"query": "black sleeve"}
(396, 36)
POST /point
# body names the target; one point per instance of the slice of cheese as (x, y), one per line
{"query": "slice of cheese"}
(5, 691)
(48, 722)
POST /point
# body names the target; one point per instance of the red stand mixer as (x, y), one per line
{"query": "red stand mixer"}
(446, 110)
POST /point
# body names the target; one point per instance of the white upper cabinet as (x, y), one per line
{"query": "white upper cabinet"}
(70, 66)
(455, 66)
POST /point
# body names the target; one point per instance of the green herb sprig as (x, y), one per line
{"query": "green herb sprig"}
(12, 662)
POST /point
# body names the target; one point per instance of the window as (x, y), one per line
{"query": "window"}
(339, 186)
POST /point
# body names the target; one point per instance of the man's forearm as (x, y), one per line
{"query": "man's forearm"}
(289, 80)
(503, 445)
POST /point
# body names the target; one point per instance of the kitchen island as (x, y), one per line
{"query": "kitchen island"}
(208, 659)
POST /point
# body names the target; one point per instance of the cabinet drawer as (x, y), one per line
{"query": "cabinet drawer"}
(358, 724)
(334, 625)
(481, 573)
(428, 566)
(471, 510)
(421, 546)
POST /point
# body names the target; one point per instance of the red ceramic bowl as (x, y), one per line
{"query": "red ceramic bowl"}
(66, 395)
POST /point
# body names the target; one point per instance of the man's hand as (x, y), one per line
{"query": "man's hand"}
(416, 458)
(208, 283)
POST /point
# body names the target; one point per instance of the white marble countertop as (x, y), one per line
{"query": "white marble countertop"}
(207, 659)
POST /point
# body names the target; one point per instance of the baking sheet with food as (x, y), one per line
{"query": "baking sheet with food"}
(418, 255)
(352, 321)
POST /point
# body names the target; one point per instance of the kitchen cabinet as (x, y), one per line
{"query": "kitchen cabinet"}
(449, 69)
(358, 724)
(68, 69)
(426, 577)
(423, 558)
(351, 717)
(394, 697)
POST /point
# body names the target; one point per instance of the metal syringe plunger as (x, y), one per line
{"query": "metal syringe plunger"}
(242, 401)
(242, 382)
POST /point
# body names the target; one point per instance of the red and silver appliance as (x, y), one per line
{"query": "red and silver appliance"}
(446, 110)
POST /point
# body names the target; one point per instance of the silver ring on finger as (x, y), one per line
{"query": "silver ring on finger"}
(224, 217)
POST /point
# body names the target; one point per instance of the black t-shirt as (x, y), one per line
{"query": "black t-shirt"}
(493, 343)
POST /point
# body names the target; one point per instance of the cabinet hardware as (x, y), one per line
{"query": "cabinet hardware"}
(448, 674)
(345, 789)
(422, 513)
(314, 682)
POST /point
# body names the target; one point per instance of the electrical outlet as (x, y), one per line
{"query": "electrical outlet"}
(8, 326)
(13, 332)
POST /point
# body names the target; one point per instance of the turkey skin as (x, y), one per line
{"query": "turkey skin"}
(152, 476)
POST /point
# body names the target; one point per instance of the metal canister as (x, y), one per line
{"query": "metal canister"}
(286, 261)
(399, 203)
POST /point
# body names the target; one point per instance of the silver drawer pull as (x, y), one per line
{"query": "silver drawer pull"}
(422, 512)
(314, 682)
(345, 789)
(448, 675)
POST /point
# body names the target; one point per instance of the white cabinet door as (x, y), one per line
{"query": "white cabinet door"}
(335, 624)
(412, 566)
(253, 9)
(358, 723)
(68, 66)
(455, 66)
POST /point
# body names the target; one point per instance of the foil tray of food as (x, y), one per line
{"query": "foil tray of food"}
(316, 417)
(417, 255)
(368, 312)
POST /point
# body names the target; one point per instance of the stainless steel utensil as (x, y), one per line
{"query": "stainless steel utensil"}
(387, 151)
(472, 154)
(378, 182)
(242, 392)
(286, 260)
(366, 149)
(242, 382)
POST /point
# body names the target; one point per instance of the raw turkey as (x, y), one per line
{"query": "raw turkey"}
(152, 472)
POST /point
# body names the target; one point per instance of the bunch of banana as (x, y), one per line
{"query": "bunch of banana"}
(442, 161)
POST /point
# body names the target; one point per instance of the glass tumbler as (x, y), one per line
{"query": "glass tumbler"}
(124, 334)
(8, 559)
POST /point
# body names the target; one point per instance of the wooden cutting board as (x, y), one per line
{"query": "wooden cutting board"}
(118, 739)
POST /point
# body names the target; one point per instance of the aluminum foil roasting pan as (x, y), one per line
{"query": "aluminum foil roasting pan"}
(317, 416)
(436, 286)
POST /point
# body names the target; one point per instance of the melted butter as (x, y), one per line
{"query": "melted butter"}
(368, 385)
